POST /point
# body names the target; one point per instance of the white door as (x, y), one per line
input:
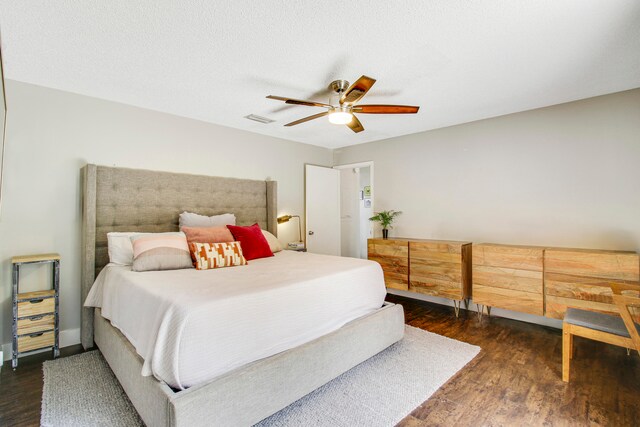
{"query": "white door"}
(322, 205)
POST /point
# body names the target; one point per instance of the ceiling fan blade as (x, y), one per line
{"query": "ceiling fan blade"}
(356, 91)
(306, 119)
(386, 109)
(355, 124)
(298, 101)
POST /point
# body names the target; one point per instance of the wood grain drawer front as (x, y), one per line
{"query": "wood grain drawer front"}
(34, 342)
(437, 288)
(437, 269)
(45, 322)
(508, 278)
(436, 278)
(396, 271)
(35, 307)
(515, 257)
(384, 248)
(580, 278)
(587, 293)
(509, 299)
(556, 306)
(585, 263)
(393, 257)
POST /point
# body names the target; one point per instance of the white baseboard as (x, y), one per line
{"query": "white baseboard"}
(67, 337)
(498, 312)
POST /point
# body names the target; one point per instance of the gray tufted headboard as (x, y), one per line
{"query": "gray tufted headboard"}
(120, 199)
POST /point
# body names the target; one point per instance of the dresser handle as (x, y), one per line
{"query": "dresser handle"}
(34, 318)
(36, 301)
(37, 334)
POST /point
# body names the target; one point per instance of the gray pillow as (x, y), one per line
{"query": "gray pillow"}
(190, 219)
(160, 251)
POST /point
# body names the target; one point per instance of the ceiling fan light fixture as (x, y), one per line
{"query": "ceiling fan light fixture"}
(338, 117)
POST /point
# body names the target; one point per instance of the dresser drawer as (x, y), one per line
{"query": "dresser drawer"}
(440, 268)
(393, 257)
(593, 263)
(45, 322)
(509, 299)
(505, 256)
(35, 341)
(34, 307)
(437, 288)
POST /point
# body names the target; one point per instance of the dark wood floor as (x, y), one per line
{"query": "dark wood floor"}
(21, 390)
(514, 381)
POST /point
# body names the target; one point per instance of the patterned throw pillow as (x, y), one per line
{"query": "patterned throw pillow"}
(160, 251)
(216, 255)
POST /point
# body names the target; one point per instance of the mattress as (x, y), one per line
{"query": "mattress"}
(191, 326)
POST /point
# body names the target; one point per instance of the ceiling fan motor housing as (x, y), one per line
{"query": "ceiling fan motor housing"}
(339, 86)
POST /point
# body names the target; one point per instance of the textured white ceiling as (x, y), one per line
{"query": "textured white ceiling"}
(217, 60)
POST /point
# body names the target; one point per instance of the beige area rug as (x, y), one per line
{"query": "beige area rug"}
(81, 390)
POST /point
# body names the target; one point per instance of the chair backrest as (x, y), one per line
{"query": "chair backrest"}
(627, 298)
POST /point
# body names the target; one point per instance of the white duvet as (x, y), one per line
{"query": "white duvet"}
(191, 326)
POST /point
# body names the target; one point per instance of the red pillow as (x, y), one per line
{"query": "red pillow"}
(254, 244)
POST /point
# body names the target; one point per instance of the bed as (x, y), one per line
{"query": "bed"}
(119, 199)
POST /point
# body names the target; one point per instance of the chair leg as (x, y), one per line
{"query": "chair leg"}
(572, 350)
(567, 349)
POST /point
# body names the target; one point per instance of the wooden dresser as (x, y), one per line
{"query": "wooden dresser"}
(509, 277)
(545, 281)
(438, 268)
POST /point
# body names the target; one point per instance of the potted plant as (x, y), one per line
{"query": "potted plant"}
(385, 218)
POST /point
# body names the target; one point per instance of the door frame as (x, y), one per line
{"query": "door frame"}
(363, 165)
(368, 163)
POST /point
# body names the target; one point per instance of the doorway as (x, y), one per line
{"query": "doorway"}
(356, 207)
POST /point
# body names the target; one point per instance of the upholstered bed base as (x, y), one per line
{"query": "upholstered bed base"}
(120, 199)
(253, 392)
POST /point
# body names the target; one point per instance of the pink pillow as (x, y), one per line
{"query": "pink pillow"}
(254, 244)
(208, 234)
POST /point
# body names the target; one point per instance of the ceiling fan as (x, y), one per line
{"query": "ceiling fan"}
(348, 96)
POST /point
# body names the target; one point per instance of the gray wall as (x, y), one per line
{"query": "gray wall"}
(566, 175)
(51, 134)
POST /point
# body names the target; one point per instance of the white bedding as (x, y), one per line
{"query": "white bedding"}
(191, 326)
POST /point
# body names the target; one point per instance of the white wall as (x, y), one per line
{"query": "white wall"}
(567, 175)
(51, 134)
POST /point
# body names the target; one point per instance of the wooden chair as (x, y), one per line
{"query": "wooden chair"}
(620, 330)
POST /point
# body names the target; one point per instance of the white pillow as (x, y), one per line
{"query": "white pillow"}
(274, 243)
(190, 219)
(120, 247)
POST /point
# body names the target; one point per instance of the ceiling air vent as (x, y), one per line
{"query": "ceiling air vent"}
(259, 119)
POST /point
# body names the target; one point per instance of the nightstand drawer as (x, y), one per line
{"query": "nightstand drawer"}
(34, 307)
(35, 341)
(45, 322)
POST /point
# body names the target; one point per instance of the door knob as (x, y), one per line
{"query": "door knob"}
(311, 233)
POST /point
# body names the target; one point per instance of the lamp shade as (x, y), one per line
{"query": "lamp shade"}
(284, 218)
